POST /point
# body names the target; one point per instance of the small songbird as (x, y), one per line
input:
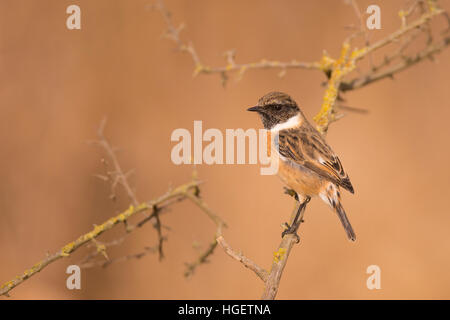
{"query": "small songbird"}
(307, 164)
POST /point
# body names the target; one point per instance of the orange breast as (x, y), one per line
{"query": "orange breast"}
(302, 180)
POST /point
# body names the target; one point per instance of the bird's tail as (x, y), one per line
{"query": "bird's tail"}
(345, 223)
(332, 196)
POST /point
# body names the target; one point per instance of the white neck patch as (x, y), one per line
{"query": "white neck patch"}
(292, 122)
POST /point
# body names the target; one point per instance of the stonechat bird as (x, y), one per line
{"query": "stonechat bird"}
(307, 164)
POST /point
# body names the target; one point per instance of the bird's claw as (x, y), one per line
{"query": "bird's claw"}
(290, 230)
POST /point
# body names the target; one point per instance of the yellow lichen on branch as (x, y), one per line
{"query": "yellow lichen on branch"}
(180, 192)
(336, 70)
(339, 68)
(279, 254)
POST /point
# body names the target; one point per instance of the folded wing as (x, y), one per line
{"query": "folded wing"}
(306, 147)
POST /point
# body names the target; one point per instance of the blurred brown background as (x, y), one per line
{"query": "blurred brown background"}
(57, 84)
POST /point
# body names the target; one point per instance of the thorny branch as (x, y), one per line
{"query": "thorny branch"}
(173, 33)
(117, 176)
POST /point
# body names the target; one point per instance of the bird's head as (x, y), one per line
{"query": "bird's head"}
(276, 108)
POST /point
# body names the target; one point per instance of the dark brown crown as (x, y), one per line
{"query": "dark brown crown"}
(275, 108)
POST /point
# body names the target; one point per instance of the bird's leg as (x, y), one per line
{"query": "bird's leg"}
(292, 229)
(291, 192)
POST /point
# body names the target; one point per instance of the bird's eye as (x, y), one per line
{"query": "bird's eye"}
(277, 107)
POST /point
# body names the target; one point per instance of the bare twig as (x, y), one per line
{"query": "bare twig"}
(118, 175)
(270, 278)
(106, 263)
(362, 27)
(220, 224)
(173, 33)
(260, 272)
(407, 62)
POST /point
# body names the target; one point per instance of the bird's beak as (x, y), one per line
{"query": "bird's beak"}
(255, 108)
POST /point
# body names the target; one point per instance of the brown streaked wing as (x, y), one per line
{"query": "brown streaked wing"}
(306, 147)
